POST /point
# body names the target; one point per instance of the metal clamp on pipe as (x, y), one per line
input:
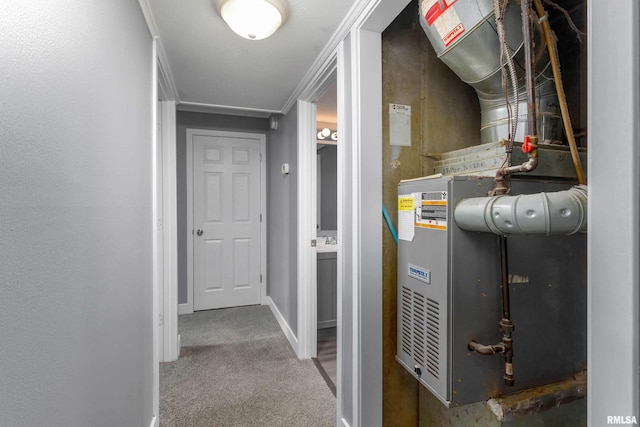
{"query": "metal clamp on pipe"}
(504, 347)
(487, 350)
(507, 328)
(530, 147)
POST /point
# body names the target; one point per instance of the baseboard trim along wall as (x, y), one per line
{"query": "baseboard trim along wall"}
(344, 423)
(327, 324)
(184, 309)
(293, 341)
(154, 421)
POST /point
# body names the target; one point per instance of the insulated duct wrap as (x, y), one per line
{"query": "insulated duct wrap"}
(464, 35)
(562, 212)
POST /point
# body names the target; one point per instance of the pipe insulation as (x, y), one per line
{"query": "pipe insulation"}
(561, 212)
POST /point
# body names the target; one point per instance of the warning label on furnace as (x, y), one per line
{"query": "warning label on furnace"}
(433, 211)
(406, 209)
(441, 14)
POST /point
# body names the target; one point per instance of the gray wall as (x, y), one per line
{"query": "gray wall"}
(190, 120)
(329, 187)
(282, 218)
(614, 211)
(75, 214)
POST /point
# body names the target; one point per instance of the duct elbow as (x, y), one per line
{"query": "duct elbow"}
(562, 212)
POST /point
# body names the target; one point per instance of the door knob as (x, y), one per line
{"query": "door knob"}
(199, 232)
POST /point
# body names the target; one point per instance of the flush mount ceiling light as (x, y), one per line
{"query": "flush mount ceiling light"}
(253, 19)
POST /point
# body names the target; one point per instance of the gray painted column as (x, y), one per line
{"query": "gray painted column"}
(369, 228)
(614, 210)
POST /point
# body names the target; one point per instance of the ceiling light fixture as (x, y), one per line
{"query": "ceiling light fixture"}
(253, 19)
(327, 134)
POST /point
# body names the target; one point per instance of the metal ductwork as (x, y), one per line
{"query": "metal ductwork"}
(465, 36)
(561, 212)
(480, 40)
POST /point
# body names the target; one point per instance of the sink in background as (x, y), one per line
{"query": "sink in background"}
(327, 241)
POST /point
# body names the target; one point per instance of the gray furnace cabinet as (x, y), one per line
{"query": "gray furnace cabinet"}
(449, 293)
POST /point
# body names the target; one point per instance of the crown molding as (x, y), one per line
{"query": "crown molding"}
(225, 109)
(165, 77)
(325, 59)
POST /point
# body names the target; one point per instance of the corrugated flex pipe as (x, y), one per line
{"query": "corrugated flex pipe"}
(561, 212)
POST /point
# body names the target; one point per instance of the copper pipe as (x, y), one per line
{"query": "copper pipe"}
(555, 66)
(506, 325)
(532, 119)
(504, 279)
(505, 346)
(527, 35)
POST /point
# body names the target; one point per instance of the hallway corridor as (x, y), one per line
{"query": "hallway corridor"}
(236, 368)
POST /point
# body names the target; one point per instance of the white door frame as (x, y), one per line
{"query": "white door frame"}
(166, 341)
(359, 70)
(308, 212)
(307, 218)
(165, 219)
(169, 224)
(164, 312)
(263, 207)
(155, 310)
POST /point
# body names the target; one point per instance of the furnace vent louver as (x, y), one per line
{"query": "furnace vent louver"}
(433, 337)
(418, 329)
(406, 321)
(421, 330)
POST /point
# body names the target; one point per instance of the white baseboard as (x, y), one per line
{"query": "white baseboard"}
(184, 309)
(179, 345)
(293, 341)
(327, 324)
(345, 423)
(154, 421)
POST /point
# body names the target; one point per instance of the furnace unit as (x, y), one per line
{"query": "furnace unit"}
(449, 294)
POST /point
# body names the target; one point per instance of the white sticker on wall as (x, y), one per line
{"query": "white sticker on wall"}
(400, 124)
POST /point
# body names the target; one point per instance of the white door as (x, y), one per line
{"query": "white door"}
(226, 221)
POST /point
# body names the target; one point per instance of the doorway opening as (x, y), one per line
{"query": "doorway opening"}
(326, 233)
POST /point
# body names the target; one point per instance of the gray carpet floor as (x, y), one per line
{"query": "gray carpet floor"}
(236, 368)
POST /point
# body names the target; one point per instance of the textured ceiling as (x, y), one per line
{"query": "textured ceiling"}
(212, 65)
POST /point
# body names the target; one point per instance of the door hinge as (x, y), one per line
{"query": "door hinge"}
(160, 320)
(313, 243)
(260, 217)
(261, 278)
(260, 156)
